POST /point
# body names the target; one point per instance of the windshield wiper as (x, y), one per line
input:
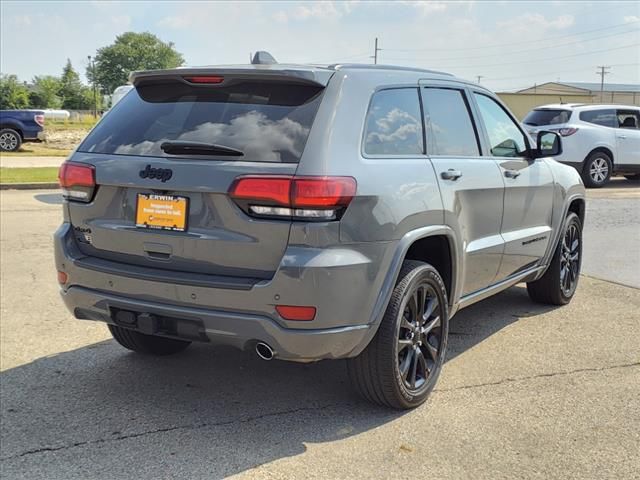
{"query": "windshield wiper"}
(199, 148)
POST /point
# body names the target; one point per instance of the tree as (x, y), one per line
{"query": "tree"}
(71, 89)
(131, 51)
(13, 94)
(46, 92)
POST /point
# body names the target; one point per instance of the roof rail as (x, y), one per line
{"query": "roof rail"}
(338, 66)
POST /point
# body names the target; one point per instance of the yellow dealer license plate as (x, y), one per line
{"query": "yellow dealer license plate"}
(162, 212)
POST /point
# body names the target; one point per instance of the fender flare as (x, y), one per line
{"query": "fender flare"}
(391, 277)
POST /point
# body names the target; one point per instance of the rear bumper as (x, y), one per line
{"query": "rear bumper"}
(239, 330)
(342, 282)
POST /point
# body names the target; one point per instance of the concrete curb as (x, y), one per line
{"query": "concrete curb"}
(29, 186)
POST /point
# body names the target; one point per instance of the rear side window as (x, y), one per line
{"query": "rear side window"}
(266, 121)
(448, 123)
(537, 118)
(605, 118)
(393, 124)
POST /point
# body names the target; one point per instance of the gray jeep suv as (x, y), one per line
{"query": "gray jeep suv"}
(311, 213)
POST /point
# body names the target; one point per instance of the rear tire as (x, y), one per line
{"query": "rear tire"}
(597, 170)
(147, 344)
(559, 283)
(10, 140)
(401, 364)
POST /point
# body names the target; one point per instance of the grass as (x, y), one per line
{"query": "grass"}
(28, 175)
(85, 123)
(37, 150)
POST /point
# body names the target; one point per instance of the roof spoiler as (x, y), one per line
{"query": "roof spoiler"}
(316, 78)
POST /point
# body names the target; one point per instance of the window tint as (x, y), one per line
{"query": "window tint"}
(393, 125)
(537, 118)
(448, 123)
(267, 121)
(606, 118)
(628, 119)
(506, 139)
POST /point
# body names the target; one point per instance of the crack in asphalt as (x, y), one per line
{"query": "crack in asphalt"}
(195, 426)
(192, 426)
(533, 377)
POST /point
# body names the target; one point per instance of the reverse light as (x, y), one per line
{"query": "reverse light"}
(77, 180)
(296, 313)
(300, 198)
(211, 79)
(565, 132)
(39, 119)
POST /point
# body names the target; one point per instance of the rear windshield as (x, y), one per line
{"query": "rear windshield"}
(537, 118)
(266, 121)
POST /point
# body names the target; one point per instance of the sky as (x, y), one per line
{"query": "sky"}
(511, 45)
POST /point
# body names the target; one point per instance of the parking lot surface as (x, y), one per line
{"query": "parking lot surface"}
(528, 391)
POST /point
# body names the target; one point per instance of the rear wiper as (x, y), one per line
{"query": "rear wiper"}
(199, 148)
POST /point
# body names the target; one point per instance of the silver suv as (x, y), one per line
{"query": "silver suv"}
(312, 213)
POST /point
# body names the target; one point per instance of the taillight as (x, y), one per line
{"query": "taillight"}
(565, 132)
(78, 181)
(39, 119)
(300, 198)
(211, 79)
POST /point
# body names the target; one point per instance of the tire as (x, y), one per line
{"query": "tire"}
(10, 140)
(551, 288)
(633, 178)
(597, 170)
(147, 344)
(377, 373)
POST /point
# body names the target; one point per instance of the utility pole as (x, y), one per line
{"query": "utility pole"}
(479, 77)
(375, 52)
(603, 71)
(92, 63)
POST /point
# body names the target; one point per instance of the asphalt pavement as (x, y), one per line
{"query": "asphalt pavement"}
(528, 391)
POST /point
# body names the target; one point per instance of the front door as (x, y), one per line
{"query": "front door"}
(529, 188)
(628, 139)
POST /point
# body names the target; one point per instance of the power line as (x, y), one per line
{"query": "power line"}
(467, 67)
(561, 71)
(518, 52)
(525, 42)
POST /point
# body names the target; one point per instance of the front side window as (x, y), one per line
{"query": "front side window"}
(604, 118)
(393, 125)
(448, 123)
(628, 119)
(505, 138)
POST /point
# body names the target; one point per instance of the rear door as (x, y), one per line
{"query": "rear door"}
(529, 188)
(154, 162)
(628, 138)
(471, 185)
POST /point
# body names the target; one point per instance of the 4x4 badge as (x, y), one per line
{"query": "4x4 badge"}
(162, 174)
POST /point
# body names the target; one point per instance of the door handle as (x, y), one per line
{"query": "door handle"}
(511, 173)
(451, 174)
(622, 136)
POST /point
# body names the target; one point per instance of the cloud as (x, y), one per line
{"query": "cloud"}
(325, 10)
(21, 20)
(536, 21)
(121, 21)
(426, 7)
(631, 18)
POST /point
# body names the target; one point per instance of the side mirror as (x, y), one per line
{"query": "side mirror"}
(549, 144)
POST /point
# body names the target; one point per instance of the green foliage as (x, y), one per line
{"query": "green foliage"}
(45, 93)
(13, 94)
(131, 51)
(72, 90)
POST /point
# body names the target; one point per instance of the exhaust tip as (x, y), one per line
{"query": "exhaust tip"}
(264, 351)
